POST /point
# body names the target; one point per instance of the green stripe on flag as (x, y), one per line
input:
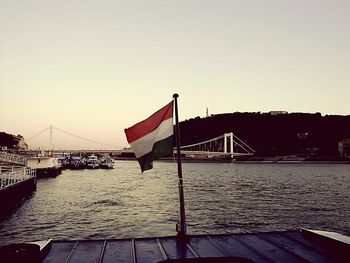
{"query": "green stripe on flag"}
(161, 148)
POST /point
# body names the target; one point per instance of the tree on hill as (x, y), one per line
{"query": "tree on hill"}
(12, 141)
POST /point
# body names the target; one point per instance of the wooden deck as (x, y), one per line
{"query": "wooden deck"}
(287, 246)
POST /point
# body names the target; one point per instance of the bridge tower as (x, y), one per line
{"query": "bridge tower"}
(51, 139)
(230, 137)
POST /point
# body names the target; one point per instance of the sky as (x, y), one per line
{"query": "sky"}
(93, 68)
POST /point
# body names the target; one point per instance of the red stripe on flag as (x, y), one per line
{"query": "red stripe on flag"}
(150, 124)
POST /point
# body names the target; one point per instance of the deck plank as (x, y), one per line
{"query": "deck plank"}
(59, 251)
(272, 252)
(296, 248)
(205, 248)
(117, 251)
(175, 249)
(236, 249)
(147, 250)
(312, 246)
(86, 252)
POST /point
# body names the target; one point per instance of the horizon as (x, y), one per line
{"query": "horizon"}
(96, 68)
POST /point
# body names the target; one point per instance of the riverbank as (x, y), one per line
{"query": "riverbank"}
(294, 159)
(254, 160)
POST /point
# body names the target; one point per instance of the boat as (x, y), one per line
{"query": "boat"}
(107, 162)
(45, 166)
(92, 162)
(77, 162)
(63, 161)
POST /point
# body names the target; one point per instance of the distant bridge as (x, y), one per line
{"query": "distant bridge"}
(52, 128)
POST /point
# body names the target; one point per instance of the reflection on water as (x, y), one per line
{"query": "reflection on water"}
(220, 198)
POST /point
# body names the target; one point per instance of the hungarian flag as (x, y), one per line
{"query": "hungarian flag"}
(152, 138)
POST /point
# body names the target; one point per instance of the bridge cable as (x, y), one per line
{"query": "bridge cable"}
(246, 145)
(37, 134)
(200, 143)
(83, 138)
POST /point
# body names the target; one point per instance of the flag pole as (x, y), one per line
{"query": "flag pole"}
(182, 232)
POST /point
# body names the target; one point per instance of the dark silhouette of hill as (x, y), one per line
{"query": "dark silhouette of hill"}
(12, 141)
(271, 135)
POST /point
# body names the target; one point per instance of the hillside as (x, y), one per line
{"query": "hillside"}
(10, 141)
(273, 134)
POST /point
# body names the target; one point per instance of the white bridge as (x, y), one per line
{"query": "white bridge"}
(228, 145)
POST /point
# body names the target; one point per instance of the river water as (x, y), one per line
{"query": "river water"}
(220, 198)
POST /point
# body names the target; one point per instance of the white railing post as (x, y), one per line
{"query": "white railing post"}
(12, 175)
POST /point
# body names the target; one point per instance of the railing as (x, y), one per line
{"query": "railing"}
(12, 158)
(10, 175)
(202, 143)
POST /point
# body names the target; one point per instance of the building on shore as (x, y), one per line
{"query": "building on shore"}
(344, 148)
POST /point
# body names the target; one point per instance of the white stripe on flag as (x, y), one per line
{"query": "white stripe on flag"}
(145, 144)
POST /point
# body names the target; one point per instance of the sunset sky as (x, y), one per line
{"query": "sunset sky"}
(93, 68)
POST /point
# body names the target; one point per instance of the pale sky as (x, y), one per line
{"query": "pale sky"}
(93, 68)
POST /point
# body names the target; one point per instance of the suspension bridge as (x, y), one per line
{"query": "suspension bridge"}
(227, 145)
(51, 144)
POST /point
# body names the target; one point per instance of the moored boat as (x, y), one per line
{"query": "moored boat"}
(45, 166)
(92, 162)
(77, 162)
(107, 162)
